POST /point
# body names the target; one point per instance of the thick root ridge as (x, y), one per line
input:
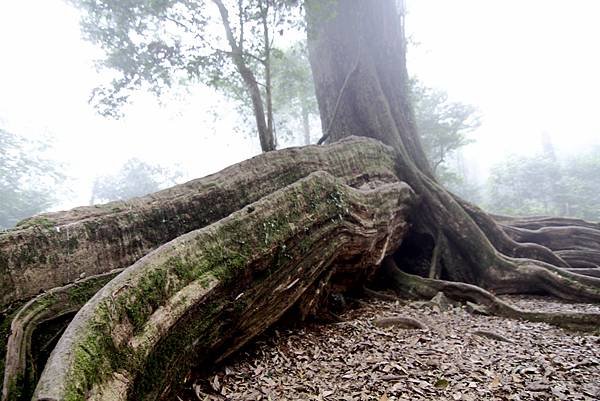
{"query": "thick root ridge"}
(412, 286)
(537, 222)
(508, 245)
(201, 297)
(540, 261)
(22, 365)
(557, 238)
(591, 272)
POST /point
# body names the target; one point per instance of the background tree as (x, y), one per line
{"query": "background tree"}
(28, 181)
(294, 98)
(443, 125)
(524, 186)
(581, 178)
(135, 178)
(545, 184)
(153, 44)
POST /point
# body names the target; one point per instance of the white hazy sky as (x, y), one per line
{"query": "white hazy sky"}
(530, 66)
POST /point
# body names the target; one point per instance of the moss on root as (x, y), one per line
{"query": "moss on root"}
(45, 308)
(143, 327)
(61, 246)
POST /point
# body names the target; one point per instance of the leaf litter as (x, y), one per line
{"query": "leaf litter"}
(449, 359)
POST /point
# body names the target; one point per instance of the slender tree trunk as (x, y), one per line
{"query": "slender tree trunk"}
(305, 125)
(267, 64)
(263, 123)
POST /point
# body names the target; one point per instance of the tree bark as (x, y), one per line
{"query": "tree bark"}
(91, 241)
(264, 123)
(54, 249)
(212, 290)
(364, 40)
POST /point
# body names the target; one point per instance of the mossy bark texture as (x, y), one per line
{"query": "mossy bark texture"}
(331, 212)
(55, 249)
(205, 294)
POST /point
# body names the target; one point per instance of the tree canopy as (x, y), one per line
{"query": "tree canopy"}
(227, 44)
(546, 185)
(442, 124)
(134, 178)
(294, 101)
(28, 181)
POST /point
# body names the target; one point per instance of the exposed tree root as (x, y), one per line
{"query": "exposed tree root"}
(507, 245)
(22, 365)
(591, 272)
(418, 287)
(537, 222)
(471, 257)
(201, 297)
(581, 258)
(575, 241)
(404, 322)
(54, 249)
(558, 238)
(47, 251)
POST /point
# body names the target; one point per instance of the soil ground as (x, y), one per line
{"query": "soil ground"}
(460, 356)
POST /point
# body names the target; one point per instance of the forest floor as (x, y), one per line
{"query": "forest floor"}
(460, 356)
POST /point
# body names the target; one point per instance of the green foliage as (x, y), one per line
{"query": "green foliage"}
(525, 185)
(135, 178)
(442, 124)
(153, 44)
(543, 185)
(581, 178)
(294, 100)
(27, 180)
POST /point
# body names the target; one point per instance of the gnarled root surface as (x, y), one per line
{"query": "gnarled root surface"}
(276, 233)
(55, 249)
(22, 364)
(48, 252)
(412, 286)
(473, 250)
(205, 294)
(577, 245)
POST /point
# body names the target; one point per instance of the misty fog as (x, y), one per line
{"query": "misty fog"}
(330, 200)
(527, 71)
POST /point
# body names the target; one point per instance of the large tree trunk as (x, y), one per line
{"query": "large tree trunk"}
(100, 241)
(358, 60)
(206, 266)
(207, 293)
(55, 249)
